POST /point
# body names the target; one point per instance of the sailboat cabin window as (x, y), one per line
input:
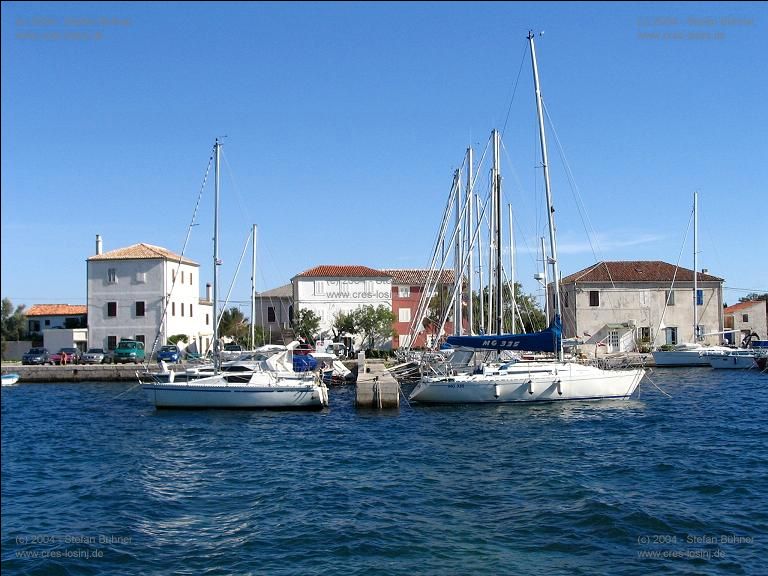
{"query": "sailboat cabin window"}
(594, 298)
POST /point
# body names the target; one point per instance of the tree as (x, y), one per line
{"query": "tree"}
(374, 323)
(12, 321)
(234, 325)
(306, 324)
(532, 316)
(176, 338)
(754, 296)
(343, 323)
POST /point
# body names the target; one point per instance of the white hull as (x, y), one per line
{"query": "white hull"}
(693, 356)
(732, 361)
(534, 382)
(10, 379)
(217, 392)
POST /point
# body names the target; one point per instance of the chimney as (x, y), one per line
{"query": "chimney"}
(98, 244)
(208, 295)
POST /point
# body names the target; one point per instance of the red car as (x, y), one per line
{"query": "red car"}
(66, 356)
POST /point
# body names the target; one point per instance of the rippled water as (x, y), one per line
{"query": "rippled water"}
(95, 481)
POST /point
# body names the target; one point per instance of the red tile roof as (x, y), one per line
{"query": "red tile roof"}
(636, 271)
(142, 251)
(743, 306)
(417, 276)
(56, 310)
(332, 271)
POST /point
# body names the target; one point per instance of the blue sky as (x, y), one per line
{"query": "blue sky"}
(345, 121)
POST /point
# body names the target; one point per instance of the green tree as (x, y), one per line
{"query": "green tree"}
(176, 338)
(12, 321)
(754, 296)
(234, 325)
(532, 315)
(374, 323)
(306, 324)
(343, 323)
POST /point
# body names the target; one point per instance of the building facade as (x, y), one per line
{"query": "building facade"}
(745, 319)
(638, 304)
(145, 292)
(274, 311)
(49, 316)
(328, 290)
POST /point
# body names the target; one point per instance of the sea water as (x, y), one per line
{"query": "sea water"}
(96, 481)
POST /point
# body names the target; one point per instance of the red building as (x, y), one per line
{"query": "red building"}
(407, 289)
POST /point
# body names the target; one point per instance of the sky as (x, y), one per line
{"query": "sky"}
(343, 123)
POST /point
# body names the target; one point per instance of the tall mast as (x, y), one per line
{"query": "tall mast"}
(497, 230)
(695, 266)
(512, 268)
(457, 259)
(546, 282)
(253, 291)
(550, 208)
(470, 248)
(480, 269)
(216, 262)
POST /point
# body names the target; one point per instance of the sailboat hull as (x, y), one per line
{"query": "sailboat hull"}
(217, 393)
(544, 383)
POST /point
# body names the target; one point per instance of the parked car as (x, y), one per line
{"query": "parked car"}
(69, 355)
(94, 356)
(36, 356)
(129, 351)
(169, 353)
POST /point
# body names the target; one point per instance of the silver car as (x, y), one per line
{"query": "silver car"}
(93, 356)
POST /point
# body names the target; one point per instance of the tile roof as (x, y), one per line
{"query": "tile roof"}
(56, 310)
(332, 271)
(417, 276)
(142, 251)
(743, 306)
(279, 292)
(636, 271)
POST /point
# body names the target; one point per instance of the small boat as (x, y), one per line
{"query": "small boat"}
(10, 379)
(731, 359)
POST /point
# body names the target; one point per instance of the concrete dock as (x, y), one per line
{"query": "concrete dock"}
(75, 372)
(376, 388)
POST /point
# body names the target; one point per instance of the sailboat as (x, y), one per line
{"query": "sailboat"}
(691, 353)
(275, 386)
(519, 381)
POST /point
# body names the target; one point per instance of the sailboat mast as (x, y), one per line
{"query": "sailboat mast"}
(253, 291)
(481, 321)
(457, 259)
(550, 208)
(695, 266)
(497, 230)
(512, 268)
(470, 248)
(217, 151)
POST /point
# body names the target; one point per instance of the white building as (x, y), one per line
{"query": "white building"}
(746, 318)
(618, 304)
(329, 290)
(144, 292)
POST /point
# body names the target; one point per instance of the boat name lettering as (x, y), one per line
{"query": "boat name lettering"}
(506, 343)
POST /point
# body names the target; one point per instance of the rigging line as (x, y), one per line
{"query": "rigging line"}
(674, 277)
(237, 271)
(586, 222)
(237, 189)
(166, 301)
(514, 90)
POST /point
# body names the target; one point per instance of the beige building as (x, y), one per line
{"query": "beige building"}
(630, 305)
(747, 318)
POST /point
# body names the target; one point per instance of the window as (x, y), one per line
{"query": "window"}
(699, 297)
(139, 308)
(404, 291)
(34, 325)
(404, 315)
(644, 334)
(671, 335)
(670, 297)
(319, 288)
(47, 321)
(173, 308)
(594, 298)
(182, 278)
(182, 308)
(140, 338)
(111, 342)
(745, 317)
(405, 339)
(565, 299)
(173, 275)
(190, 310)
(190, 278)
(141, 277)
(112, 276)
(111, 309)
(270, 314)
(207, 321)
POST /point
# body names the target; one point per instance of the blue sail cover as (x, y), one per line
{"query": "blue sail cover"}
(547, 340)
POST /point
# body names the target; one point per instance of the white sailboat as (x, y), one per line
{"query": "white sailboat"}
(550, 380)
(275, 386)
(691, 353)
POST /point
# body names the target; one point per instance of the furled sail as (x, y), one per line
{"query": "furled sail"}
(547, 340)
